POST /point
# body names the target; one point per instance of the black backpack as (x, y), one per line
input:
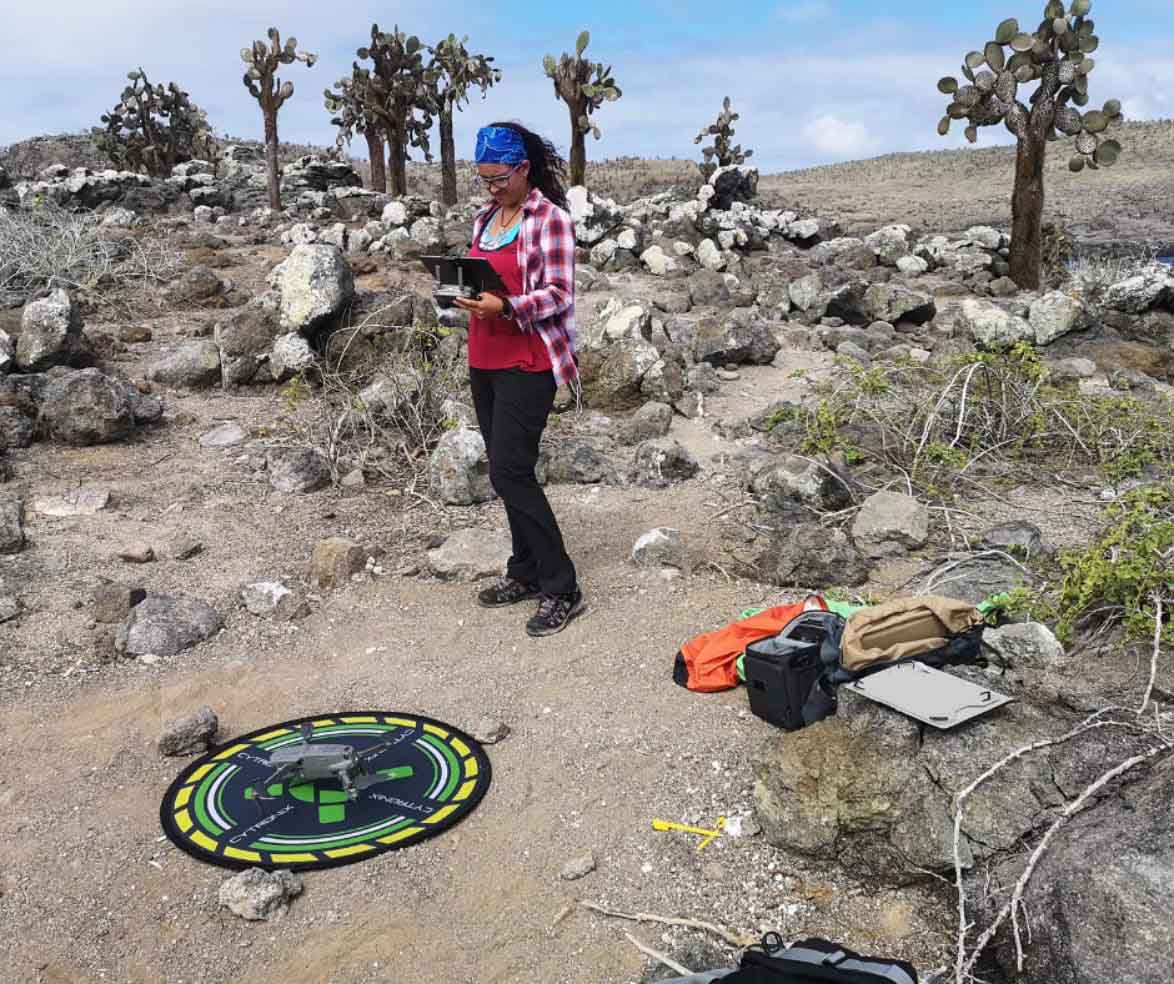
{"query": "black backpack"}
(815, 960)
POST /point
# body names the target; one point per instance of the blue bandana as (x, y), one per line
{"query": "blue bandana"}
(500, 145)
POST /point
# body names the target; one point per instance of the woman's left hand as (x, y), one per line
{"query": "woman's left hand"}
(485, 306)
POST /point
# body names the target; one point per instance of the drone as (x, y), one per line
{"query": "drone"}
(305, 763)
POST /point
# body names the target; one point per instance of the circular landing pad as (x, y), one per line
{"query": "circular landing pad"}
(277, 797)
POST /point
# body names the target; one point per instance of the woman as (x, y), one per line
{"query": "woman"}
(521, 348)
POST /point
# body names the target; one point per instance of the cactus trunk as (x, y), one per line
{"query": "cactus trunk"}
(271, 181)
(1027, 200)
(397, 155)
(578, 160)
(374, 135)
(1027, 208)
(448, 157)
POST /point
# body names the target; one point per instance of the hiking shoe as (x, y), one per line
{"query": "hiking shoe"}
(554, 612)
(506, 591)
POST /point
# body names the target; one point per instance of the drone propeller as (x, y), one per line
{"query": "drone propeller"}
(307, 732)
(368, 753)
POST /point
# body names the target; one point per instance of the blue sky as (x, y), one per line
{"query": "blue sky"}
(815, 81)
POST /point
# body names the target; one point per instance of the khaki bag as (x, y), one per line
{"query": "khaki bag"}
(905, 628)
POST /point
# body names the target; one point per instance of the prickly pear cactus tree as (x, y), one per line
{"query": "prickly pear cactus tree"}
(454, 71)
(261, 80)
(584, 86)
(1057, 59)
(153, 128)
(398, 91)
(722, 152)
(350, 106)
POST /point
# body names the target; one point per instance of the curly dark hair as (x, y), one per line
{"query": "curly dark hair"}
(548, 171)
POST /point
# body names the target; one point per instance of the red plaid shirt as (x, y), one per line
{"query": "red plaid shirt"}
(547, 256)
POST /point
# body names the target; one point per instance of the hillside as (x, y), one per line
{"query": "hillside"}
(949, 190)
(1131, 203)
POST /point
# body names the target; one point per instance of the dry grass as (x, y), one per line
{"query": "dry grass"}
(48, 245)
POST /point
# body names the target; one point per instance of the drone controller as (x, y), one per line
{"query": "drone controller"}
(446, 294)
(461, 277)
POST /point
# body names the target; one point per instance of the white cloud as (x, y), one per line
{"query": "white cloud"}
(801, 11)
(834, 137)
(801, 103)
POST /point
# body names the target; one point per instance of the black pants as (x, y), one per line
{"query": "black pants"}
(512, 407)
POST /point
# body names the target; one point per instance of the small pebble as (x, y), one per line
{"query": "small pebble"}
(137, 553)
(579, 867)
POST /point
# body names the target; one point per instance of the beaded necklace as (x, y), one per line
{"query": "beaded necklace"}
(493, 241)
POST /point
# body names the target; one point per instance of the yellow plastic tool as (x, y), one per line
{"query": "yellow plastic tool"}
(707, 836)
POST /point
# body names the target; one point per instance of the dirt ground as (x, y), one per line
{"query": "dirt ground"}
(602, 741)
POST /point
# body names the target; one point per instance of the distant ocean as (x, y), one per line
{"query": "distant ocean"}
(1168, 260)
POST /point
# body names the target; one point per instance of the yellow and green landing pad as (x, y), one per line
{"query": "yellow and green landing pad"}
(220, 810)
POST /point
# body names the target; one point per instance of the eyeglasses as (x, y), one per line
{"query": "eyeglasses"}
(498, 180)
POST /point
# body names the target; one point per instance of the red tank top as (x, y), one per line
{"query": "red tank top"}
(498, 343)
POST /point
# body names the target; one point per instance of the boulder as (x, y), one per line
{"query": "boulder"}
(661, 547)
(246, 336)
(890, 518)
(113, 602)
(314, 284)
(658, 262)
(196, 286)
(889, 243)
(291, 354)
(1018, 537)
(1139, 293)
(1100, 905)
(257, 895)
(334, 560)
(7, 353)
(975, 579)
(1027, 645)
(805, 291)
(651, 421)
(227, 435)
(298, 470)
(192, 366)
(459, 468)
(894, 302)
(790, 487)
(87, 407)
(986, 237)
(808, 555)
(471, 554)
(735, 341)
(164, 626)
(872, 790)
(989, 325)
(314, 173)
(11, 524)
(272, 599)
(709, 256)
(17, 428)
(732, 183)
(1055, 315)
(51, 335)
(189, 734)
(577, 461)
(662, 462)
(612, 378)
(619, 319)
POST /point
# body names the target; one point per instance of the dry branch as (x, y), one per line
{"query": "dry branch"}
(728, 936)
